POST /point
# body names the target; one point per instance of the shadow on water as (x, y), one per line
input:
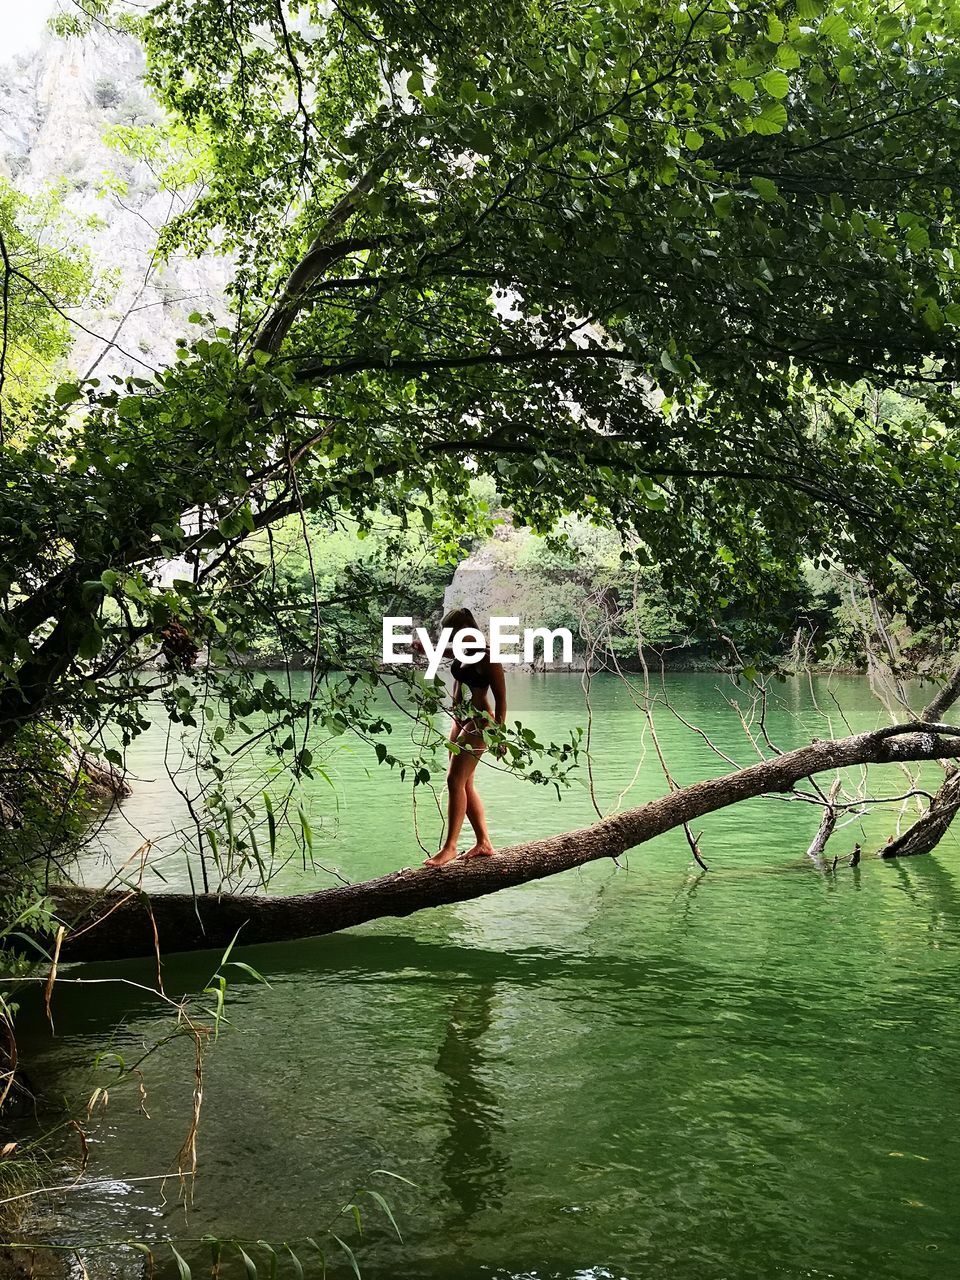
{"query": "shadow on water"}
(472, 1164)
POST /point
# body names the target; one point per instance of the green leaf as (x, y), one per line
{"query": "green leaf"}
(744, 89)
(271, 823)
(834, 29)
(91, 644)
(776, 84)
(693, 140)
(668, 362)
(771, 119)
(313, 1245)
(932, 315)
(271, 1253)
(350, 1254)
(305, 828)
(182, 1265)
(399, 1176)
(248, 1263)
(67, 393)
(766, 188)
(375, 1195)
(248, 968)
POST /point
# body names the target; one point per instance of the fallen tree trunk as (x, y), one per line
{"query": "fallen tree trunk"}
(122, 924)
(928, 830)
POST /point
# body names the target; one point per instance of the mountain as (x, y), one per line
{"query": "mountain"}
(56, 106)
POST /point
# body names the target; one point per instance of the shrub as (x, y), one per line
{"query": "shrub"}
(106, 94)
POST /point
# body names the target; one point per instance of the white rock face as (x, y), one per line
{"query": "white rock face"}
(55, 106)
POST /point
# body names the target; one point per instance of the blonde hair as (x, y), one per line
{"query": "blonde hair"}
(459, 620)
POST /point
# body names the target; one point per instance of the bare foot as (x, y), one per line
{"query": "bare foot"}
(485, 850)
(442, 858)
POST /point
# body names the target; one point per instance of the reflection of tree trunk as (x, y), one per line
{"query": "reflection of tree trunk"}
(927, 832)
(110, 926)
(473, 1168)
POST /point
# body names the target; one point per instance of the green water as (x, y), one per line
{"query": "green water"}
(636, 1072)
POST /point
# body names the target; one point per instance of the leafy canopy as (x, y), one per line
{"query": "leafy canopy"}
(661, 264)
(704, 224)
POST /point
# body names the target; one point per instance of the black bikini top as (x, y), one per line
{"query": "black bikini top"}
(475, 674)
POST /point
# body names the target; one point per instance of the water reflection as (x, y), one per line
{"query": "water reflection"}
(472, 1164)
(642, 1073)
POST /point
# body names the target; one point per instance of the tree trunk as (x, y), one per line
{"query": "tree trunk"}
(121, 924)
(827, 825)
(927, 832)
(21, 700)
(944, 698)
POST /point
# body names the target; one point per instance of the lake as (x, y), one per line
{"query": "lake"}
(640, 1071)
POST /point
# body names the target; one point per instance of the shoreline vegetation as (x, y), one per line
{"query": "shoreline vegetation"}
(689, 664)
(624, 610)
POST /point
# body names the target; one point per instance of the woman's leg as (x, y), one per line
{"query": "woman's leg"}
(483, 848)
(459, 774)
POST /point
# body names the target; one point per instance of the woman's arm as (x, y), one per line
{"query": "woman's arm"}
(455, 703)
(498, 686)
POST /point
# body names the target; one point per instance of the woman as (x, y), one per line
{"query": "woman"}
(474, 682)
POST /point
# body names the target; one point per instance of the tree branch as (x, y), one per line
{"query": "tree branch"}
(321, 255)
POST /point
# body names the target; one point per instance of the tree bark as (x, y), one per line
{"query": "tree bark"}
(927, 832)
(827, 825)
(122, 924)
(944, 698)
(21, 700)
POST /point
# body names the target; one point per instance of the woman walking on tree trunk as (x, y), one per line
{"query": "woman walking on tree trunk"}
(476, 679)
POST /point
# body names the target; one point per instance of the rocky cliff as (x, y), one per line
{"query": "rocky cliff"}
(56, 106)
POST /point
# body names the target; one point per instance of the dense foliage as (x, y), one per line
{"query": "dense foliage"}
(43, 273)
(658, 264)
(687, 272)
